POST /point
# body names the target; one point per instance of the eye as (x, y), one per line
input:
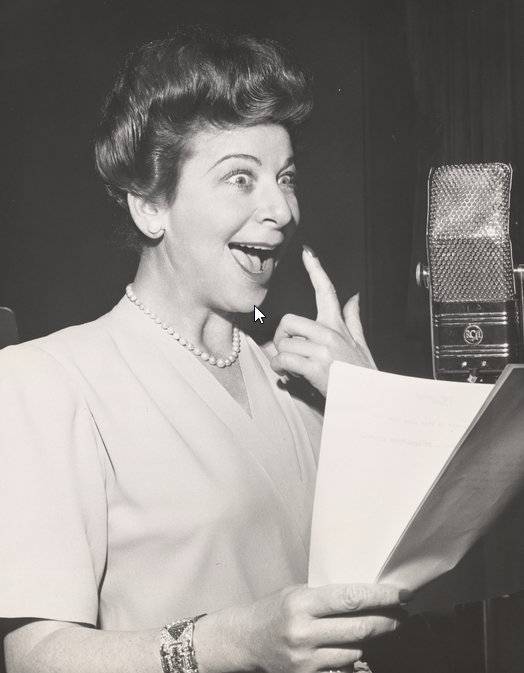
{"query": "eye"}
(240, 178)
(288, 180)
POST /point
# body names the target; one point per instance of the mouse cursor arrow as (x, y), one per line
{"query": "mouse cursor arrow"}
(259, 315)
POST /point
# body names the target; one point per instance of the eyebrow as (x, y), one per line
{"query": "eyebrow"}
(249, 157)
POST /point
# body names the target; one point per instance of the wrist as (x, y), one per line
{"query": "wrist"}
(222, 644)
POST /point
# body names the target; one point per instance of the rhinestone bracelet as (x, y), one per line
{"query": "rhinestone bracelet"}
(176, 647)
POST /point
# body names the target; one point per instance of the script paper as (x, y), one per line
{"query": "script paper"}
(386, 440)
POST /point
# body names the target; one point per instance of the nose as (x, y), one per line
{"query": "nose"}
(275, 207)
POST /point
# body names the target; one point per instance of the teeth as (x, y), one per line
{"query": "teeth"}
(254, 258)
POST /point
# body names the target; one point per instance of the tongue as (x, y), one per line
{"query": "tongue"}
(249, 260)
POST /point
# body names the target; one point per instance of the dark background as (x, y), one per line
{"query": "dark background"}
(400, 86)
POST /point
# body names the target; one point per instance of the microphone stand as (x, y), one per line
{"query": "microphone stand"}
(488, 645)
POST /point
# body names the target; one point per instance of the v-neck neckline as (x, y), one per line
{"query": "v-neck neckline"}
(214, 392)
(240, 366)
(198, 376)
(275, 425)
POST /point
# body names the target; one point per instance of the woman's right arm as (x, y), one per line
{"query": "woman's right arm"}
(298, 630)
(45, 646)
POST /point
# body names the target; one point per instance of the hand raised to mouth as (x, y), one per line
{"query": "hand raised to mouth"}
(308, 347)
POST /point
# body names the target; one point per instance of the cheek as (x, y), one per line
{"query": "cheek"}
(295, 210)
(204, 227)
(293, 205)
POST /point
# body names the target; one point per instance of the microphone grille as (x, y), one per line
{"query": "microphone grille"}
(469, 249)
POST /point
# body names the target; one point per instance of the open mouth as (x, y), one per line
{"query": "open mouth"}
(253, 258)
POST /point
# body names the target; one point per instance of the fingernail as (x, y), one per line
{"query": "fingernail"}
(405, 595)
(309, 251)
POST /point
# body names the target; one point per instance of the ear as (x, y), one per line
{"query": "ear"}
(148, 217)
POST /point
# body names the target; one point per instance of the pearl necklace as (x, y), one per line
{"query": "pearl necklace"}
(210, 359)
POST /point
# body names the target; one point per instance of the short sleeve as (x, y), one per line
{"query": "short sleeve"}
(53, 511)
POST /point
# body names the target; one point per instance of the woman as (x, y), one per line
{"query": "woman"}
(157, 467)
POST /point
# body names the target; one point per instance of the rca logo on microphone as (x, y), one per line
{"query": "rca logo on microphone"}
(473, 335)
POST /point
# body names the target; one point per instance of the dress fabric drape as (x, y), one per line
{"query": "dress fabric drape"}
(135, 489)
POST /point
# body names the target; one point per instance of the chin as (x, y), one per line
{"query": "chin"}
(251, 299)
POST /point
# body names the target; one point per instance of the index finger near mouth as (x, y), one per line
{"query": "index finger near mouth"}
(328, 306)
(334, 599)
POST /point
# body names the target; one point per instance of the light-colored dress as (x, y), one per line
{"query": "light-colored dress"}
(134, 490)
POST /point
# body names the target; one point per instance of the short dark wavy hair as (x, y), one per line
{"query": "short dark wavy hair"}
(170, 89)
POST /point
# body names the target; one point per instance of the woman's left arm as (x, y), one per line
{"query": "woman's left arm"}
(308, 347)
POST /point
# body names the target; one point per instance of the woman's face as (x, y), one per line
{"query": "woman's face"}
(234, 212)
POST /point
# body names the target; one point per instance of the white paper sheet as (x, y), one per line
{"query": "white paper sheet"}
(421, 484)
(385, 440)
